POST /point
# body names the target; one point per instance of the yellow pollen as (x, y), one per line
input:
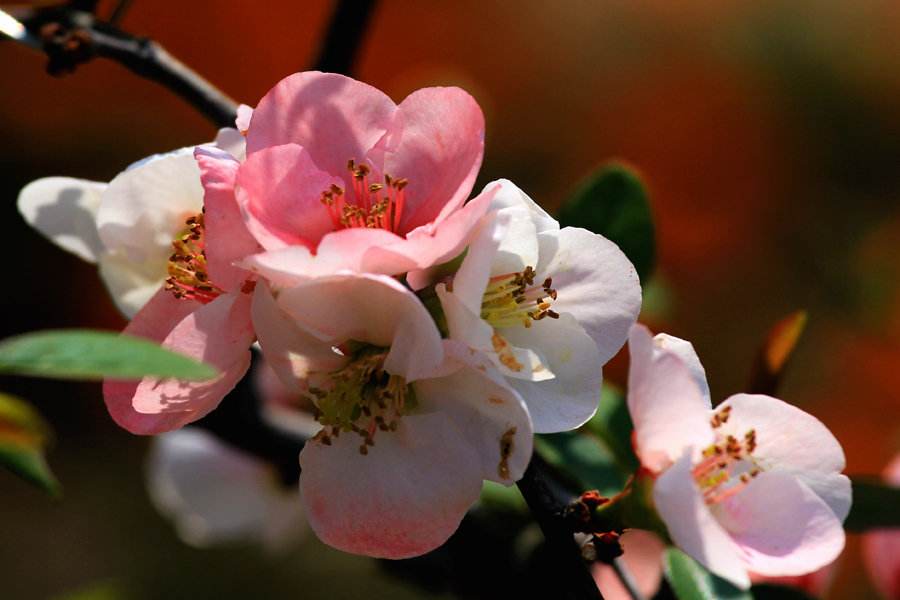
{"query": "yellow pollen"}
(188, 277)
(513, 299)
(727, 465)
(371, 205)
(362, 398)
(506, 450)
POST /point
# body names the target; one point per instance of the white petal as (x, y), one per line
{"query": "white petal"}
(685, 351)
(145, 207)
(216, 494)
(64, 210)
(374, 309)
(569, 399)
(781, 526)
(667, 408)
(597, 284)
(232, 141)
(510, 196)
(789, 439)
(131, 284)
(519, 246)
(693, 527)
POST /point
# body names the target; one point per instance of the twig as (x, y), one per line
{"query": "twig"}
(119, 11)
(624, 574)
(547, 499)
(344, 37)
(71, 38)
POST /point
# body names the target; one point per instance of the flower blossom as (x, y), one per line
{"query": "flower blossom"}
(411, 424)
(752, 485)
(126, 226)
(549, 306)
(337, 177)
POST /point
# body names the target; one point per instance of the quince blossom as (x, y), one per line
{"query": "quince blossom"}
(339, 177)
(753, 485)
(411, 424)
(126, 226)
(549, 306)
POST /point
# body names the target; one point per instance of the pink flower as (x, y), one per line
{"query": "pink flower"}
(339, 177)
(881, 549)
(203, 310)
(411, 424)
(643, 557)
(754, 485)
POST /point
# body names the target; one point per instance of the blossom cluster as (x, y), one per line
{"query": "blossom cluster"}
(430, 334)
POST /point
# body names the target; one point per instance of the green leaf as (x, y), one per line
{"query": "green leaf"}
(690, 581)
(585, 459)
(612, 425)
(613, 202)
(23, 438)
(87, 354)
(875, 506)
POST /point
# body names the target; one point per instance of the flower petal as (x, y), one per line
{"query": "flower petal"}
(511, 196)
(596, 282)
(146, 206)
(693, 527)
(279, 190)
(685, 351)
(64, 210)
(335, 118)
(375, 309)
(436, 141)
(216, 494)
(230, 140)
(569, 399)
(791, 440)
(289, 350)
(219, 333)
(667, 408)
(131, 284)
(781, 526)
(643, 557)
(242, 122)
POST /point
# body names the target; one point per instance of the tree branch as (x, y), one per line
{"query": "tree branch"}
(344, 37)
(548, 499)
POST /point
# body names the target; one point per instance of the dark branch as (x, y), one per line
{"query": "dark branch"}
(71, 38)
(548, 499)
(345, 36)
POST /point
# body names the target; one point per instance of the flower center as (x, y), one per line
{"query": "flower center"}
(363, 398)
(728, 464)
(513, 299)
(188, 278)
(374, 205)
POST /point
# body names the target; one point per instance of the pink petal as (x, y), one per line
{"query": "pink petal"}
(374, 309)
(668, 409)
(334, 117)
(643, 557)
(693, 527)
(404, 498)
(280, 193)
(289, 350)
(685, 351)
(219, 333)
(791, 440)
(431, 244)
(226, 237)
(781, 526)
(881, 554)
(436, 142)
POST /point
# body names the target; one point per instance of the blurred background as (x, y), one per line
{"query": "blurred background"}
(768, 133)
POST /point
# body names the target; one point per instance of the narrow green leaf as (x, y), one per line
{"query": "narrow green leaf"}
(690, 581)
(875, 505)
(613, 202)
(88, 354)
(23, 439)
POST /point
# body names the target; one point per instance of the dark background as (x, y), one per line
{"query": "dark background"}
(768, 132)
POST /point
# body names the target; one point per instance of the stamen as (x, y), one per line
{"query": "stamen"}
(373, 205)
(188, 278)
(362, 398)
(513, 299)
(727, 465)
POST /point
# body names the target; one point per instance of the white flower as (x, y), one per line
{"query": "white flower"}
(216, 494)
(550, 306)
(754, 485)
(126, 226)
